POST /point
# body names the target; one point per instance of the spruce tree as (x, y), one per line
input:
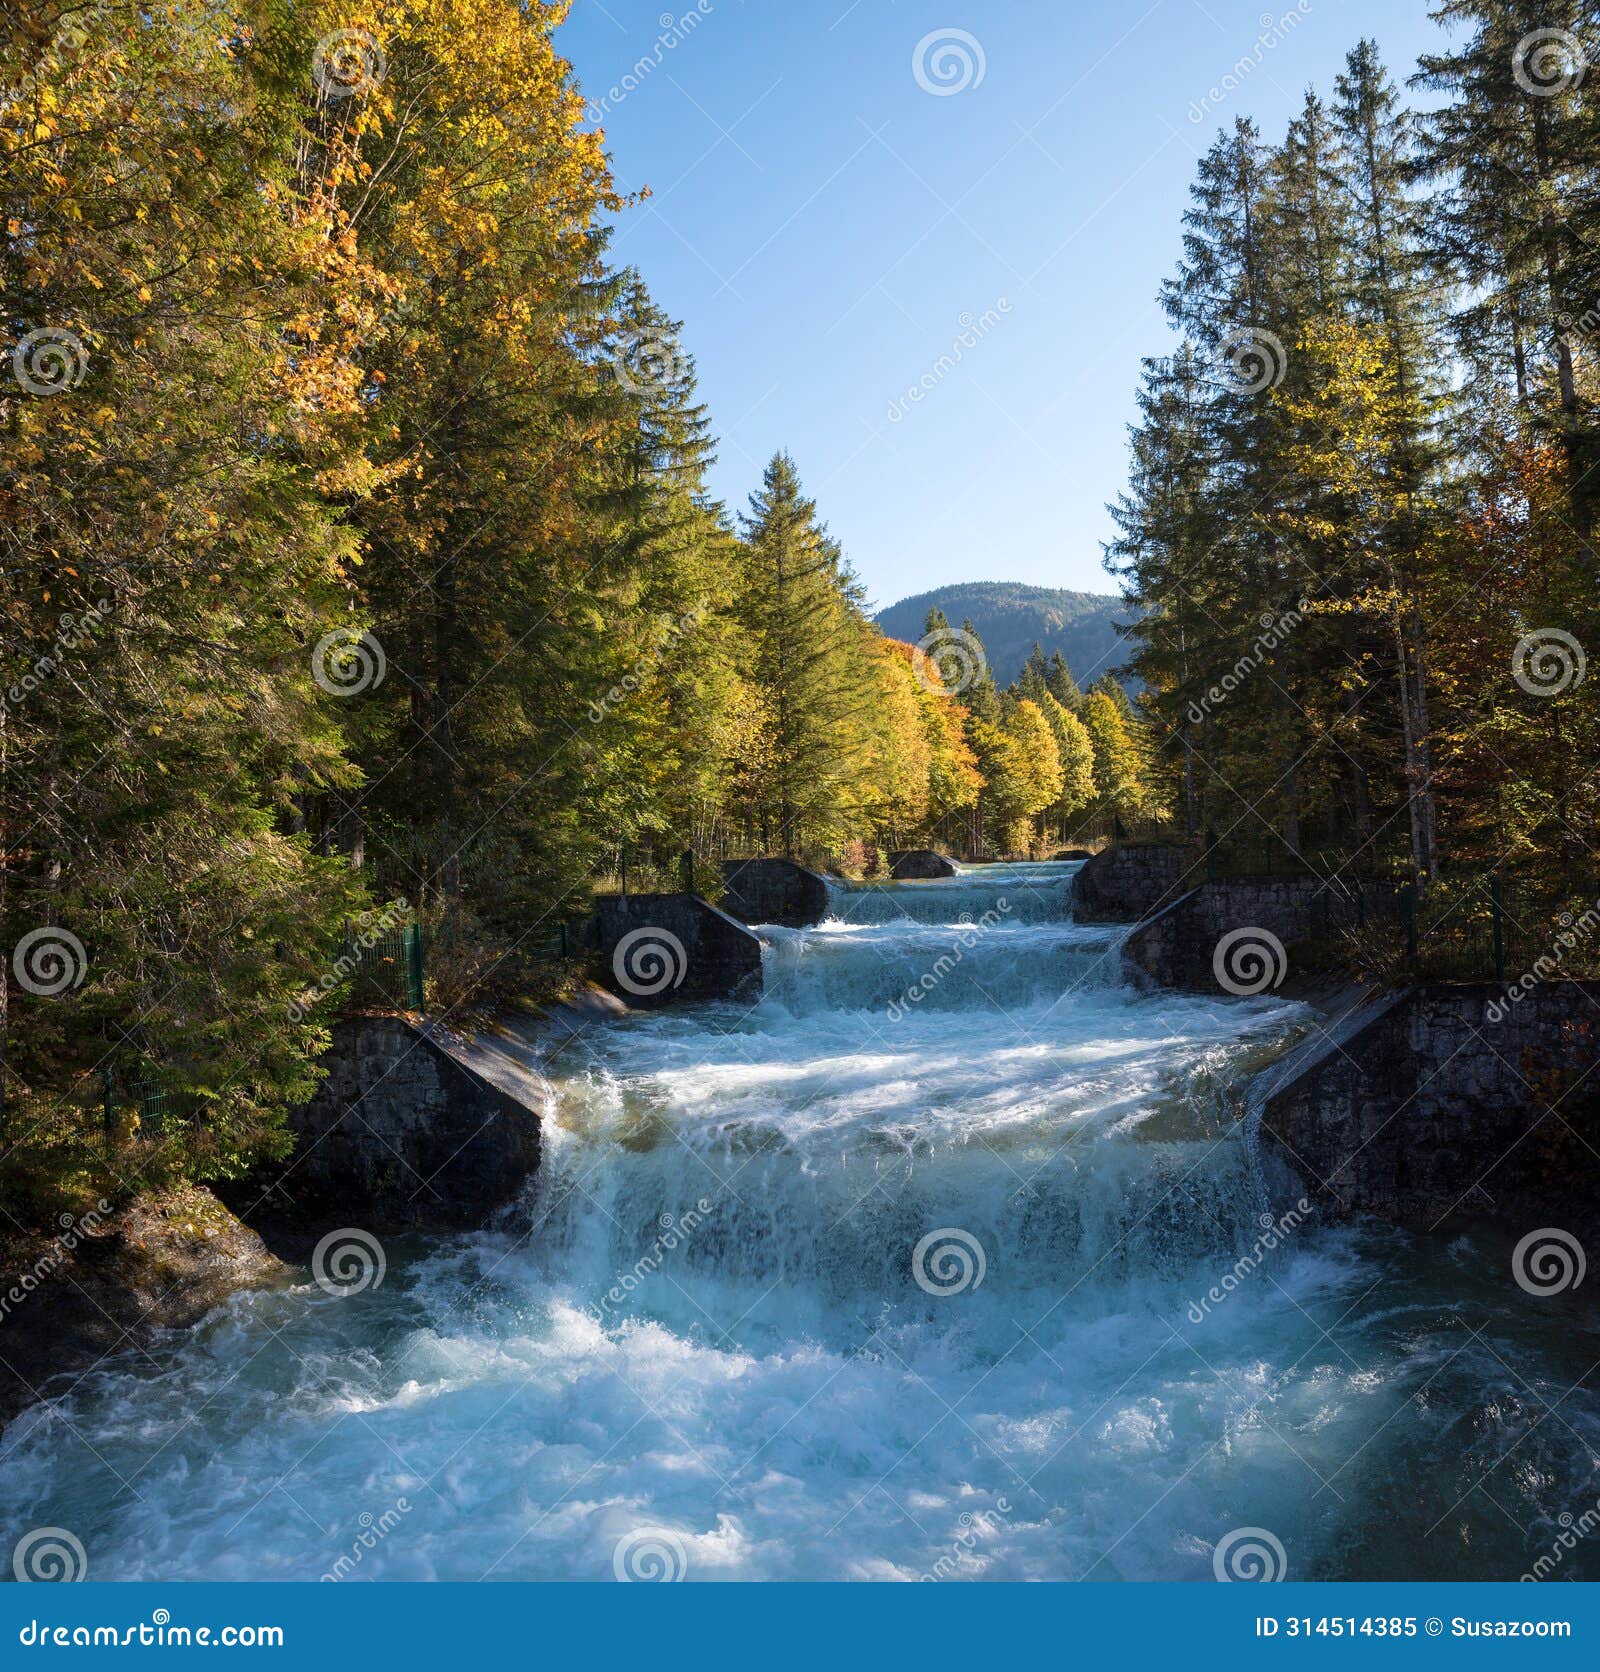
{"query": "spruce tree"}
(1513, 154)
(1060, 684)
(980, 695)
(813, 658)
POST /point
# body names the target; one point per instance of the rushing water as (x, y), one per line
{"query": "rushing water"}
(718, 1339)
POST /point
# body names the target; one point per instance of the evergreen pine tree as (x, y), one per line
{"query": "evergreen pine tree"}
(1060, 684)
(814, 659)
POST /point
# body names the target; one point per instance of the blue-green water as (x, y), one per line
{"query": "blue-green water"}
(704, 1346)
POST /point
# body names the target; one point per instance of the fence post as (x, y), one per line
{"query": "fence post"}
(1408, 897)
(687, 862)
(1497, 912)
(566, 941)
(412, 943)
(1211, 856)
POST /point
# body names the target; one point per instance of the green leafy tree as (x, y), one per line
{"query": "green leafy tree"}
(1116, 760)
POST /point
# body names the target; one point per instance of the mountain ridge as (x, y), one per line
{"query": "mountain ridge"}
(1010, 616)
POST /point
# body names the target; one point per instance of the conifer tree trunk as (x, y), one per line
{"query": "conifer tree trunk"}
(1561, 319)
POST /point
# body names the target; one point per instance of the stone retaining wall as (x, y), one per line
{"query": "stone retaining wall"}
(661, 949)
(403, 1134)
(920, 865)
(1178, 946)
(1432, 1113)
(1127, 884)
(774, 891)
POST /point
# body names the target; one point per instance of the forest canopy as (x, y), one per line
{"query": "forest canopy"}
(1359, 535)
(362, 574)
(361, 569)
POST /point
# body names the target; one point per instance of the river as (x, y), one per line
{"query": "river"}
(850, 1284)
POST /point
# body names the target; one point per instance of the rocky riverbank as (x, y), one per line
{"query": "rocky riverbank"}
(110, 1280)
(414, 1129)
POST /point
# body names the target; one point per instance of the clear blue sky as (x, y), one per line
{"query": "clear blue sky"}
(821, 223)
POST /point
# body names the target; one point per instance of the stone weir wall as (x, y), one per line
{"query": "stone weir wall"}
(661, 949)
(920, 865)
(1128, 884)
(1182, 944)
(405, 1133)
(774, 891)
(1449, 1104)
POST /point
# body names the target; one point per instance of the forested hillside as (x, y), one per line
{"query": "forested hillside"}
(1011, 618)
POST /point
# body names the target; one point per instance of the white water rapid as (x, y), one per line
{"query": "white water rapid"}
(706, 1346)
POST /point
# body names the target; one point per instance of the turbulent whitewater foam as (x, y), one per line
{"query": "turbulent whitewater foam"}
(854, 1285)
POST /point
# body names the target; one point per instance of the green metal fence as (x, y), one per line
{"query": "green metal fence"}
(1266, 854)
(1495, 927)
(1501, 928)
(386, 967)
(124, 1100)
